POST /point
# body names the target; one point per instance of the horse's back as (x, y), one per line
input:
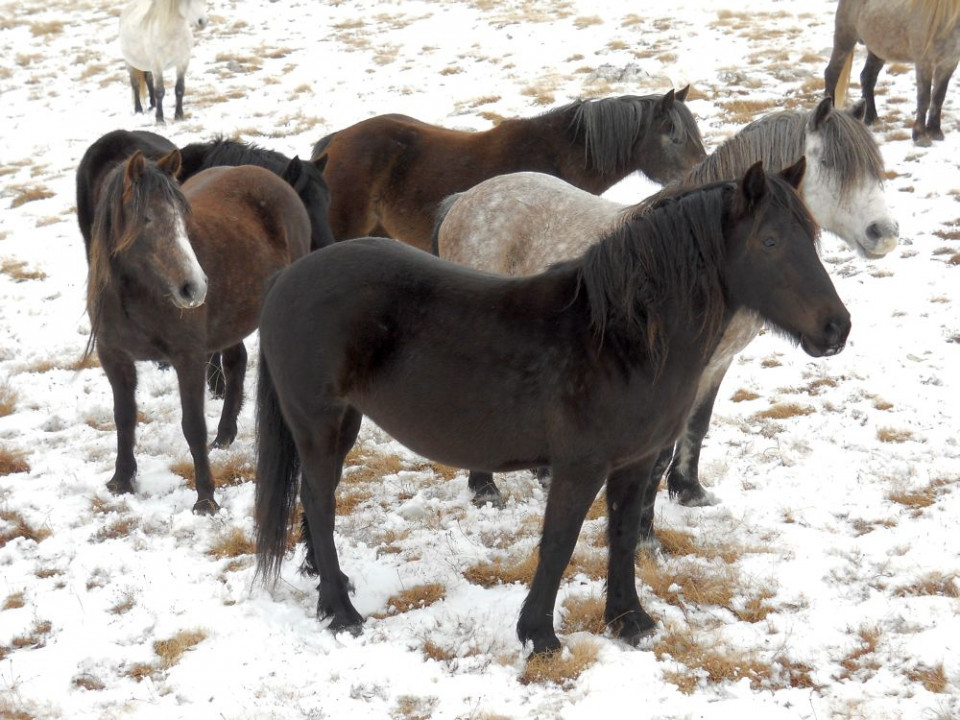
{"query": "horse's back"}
(248, 204)
(520, 223)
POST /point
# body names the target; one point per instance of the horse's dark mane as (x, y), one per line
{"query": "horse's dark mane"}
(608, 128)
(669, 255)
(224, 151)
(118, 201)
(779, 140)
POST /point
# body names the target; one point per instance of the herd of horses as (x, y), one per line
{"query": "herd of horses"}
(522, 322)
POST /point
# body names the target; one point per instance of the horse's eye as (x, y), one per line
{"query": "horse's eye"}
(769, 242)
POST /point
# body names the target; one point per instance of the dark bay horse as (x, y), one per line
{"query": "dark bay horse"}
(590, 367)
(388, 174)
(518, 224)
(176, 274)
(924, 32)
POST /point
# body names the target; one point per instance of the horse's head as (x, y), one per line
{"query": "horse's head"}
(141, 232)
(772, 264)
(672, 146)
(194, 12)
(306, 178)
(844, 181)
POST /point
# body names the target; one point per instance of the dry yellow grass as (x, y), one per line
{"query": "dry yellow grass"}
(43, 29)
(171, 650)
(934, 679)
(30, 193)
(583, 613)
(8, 399)
(561, 668)
(35, 637)
(893, 435)
(861, 660)
(119, 528)
(18, 272)
(12, 461)
(14, 600)
(782, 411)
(934, 583)
(743, 395)
(124, 605)
(413, 598)
(16, 526)
(231, 544)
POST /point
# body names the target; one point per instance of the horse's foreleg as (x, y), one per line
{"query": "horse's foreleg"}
(178, 91)
(572, 491)
(646, 535)
(941, 78)
(194, 425)
(868, 82)
(234, 369)
(323, 443)
(216, 380)
(135, 76)
(625, 495)
(159, 92)
(122, 374)
(924, 81)
(683, 480)
(484, 489)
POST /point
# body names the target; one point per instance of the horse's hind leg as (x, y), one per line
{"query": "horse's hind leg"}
(625, 494)
(135, 77)
(159, 92)
(216, 380)
(924, 81)
(234, 369)
(178, 90)
(868, 81)
(844, 43)
(349, 428)
(190, 378)
(323, 443)
(484, 489)
(941, 78)
(572, 491)
(148, 78)
(122, 374)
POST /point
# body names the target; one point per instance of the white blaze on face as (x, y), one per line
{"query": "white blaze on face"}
(191, 288)
(859, 216)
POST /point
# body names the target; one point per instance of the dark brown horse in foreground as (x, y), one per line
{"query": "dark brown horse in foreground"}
(924, 32)
(175, 275)
(590, 368)
(388, 174)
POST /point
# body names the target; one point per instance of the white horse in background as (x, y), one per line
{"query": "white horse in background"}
(156, 35)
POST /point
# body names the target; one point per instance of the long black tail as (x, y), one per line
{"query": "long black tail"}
(321, 145)
(442, 209)
(278, 468)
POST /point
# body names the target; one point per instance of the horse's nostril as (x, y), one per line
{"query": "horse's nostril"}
(873, 231)
(188, 291)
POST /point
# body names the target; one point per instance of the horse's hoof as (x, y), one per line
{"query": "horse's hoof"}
(546, 647)
(936, 135)
(223, 441)
(352, 626)
(544, 476)
(634, 626)
(207, 506)
(120, 487)
(489, 496)
(697, 498)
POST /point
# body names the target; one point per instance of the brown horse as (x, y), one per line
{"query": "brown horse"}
(175, 275)
(388, 174)
(924, 32)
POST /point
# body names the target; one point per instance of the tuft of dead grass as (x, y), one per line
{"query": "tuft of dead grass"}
(16, 526)
(934, 679)
(582, 613)
(124, 605)
(171, 650)
(14, 601)
(30, 193)
(782, 411)
(18, 272)
(88, 682)
(861, 660)
(743, 395)
(12, 461)
(414, 707)
(561, 668)
(232, 544)
(933, 583)
(413, 598)
(35, 638)
(121, 527)
(893, 435)
(8, 399)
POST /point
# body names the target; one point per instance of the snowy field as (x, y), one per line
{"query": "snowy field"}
(826, 585)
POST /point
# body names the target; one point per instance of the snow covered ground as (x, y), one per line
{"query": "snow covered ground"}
(826, 584)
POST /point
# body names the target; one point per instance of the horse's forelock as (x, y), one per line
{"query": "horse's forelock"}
(610, 127)
(848, 146)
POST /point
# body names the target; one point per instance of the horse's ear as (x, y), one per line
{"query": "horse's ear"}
(136, 164)
(859, 111)
(823, 110)
(171, 163)
(794, 173)
(321, 162)
(293, 172)
(682, 94)
(666, 104)
(754, 184)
